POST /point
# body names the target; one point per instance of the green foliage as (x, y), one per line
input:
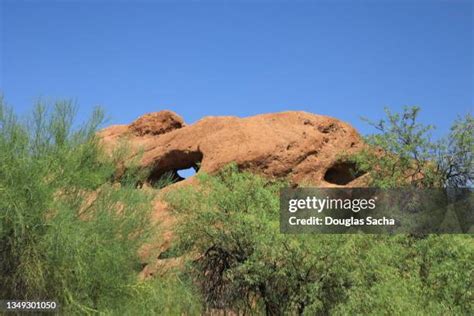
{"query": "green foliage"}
(171, 294)
(402, 153)
(455, 154)
(245, 264)
(67, 233)
(166, 179)
(71, 225)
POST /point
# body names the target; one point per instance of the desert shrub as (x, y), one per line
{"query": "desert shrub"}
(67, 233)
(168, 294)
(403, 153)
(231, 223)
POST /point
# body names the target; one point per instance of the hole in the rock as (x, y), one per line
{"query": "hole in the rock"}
(342, 173)
(175, 166)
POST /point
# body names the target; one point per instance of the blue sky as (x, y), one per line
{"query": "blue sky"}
(342, 58)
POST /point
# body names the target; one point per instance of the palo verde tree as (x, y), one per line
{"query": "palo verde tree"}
(403, 153)
(67, 232)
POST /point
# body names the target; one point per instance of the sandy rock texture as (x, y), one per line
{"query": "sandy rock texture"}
(156, 123)
(302, 147)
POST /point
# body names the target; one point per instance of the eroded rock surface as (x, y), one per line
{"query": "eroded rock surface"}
(156, 123)
(302, 147)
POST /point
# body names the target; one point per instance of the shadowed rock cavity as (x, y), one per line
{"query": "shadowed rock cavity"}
(166, 169)
(341, 173)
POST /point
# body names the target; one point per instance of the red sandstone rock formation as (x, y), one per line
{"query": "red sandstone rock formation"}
(302, 147)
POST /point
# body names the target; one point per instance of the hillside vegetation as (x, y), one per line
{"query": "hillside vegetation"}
(71, 230)
(67, 232)
(245, 264)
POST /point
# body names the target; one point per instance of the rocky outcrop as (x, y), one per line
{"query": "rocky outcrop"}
(302, 147)
(156, 123)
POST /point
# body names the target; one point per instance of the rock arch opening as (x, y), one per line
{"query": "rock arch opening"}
(175, 166)
(342, 173)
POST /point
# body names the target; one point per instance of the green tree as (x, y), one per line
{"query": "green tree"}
(67, 232)
(402, 153)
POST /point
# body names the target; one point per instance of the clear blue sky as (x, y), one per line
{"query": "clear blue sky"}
(343, 59)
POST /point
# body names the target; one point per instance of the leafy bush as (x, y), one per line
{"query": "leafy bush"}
(244, 263)
(170, 294)
(67, 233)
(410, 157)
